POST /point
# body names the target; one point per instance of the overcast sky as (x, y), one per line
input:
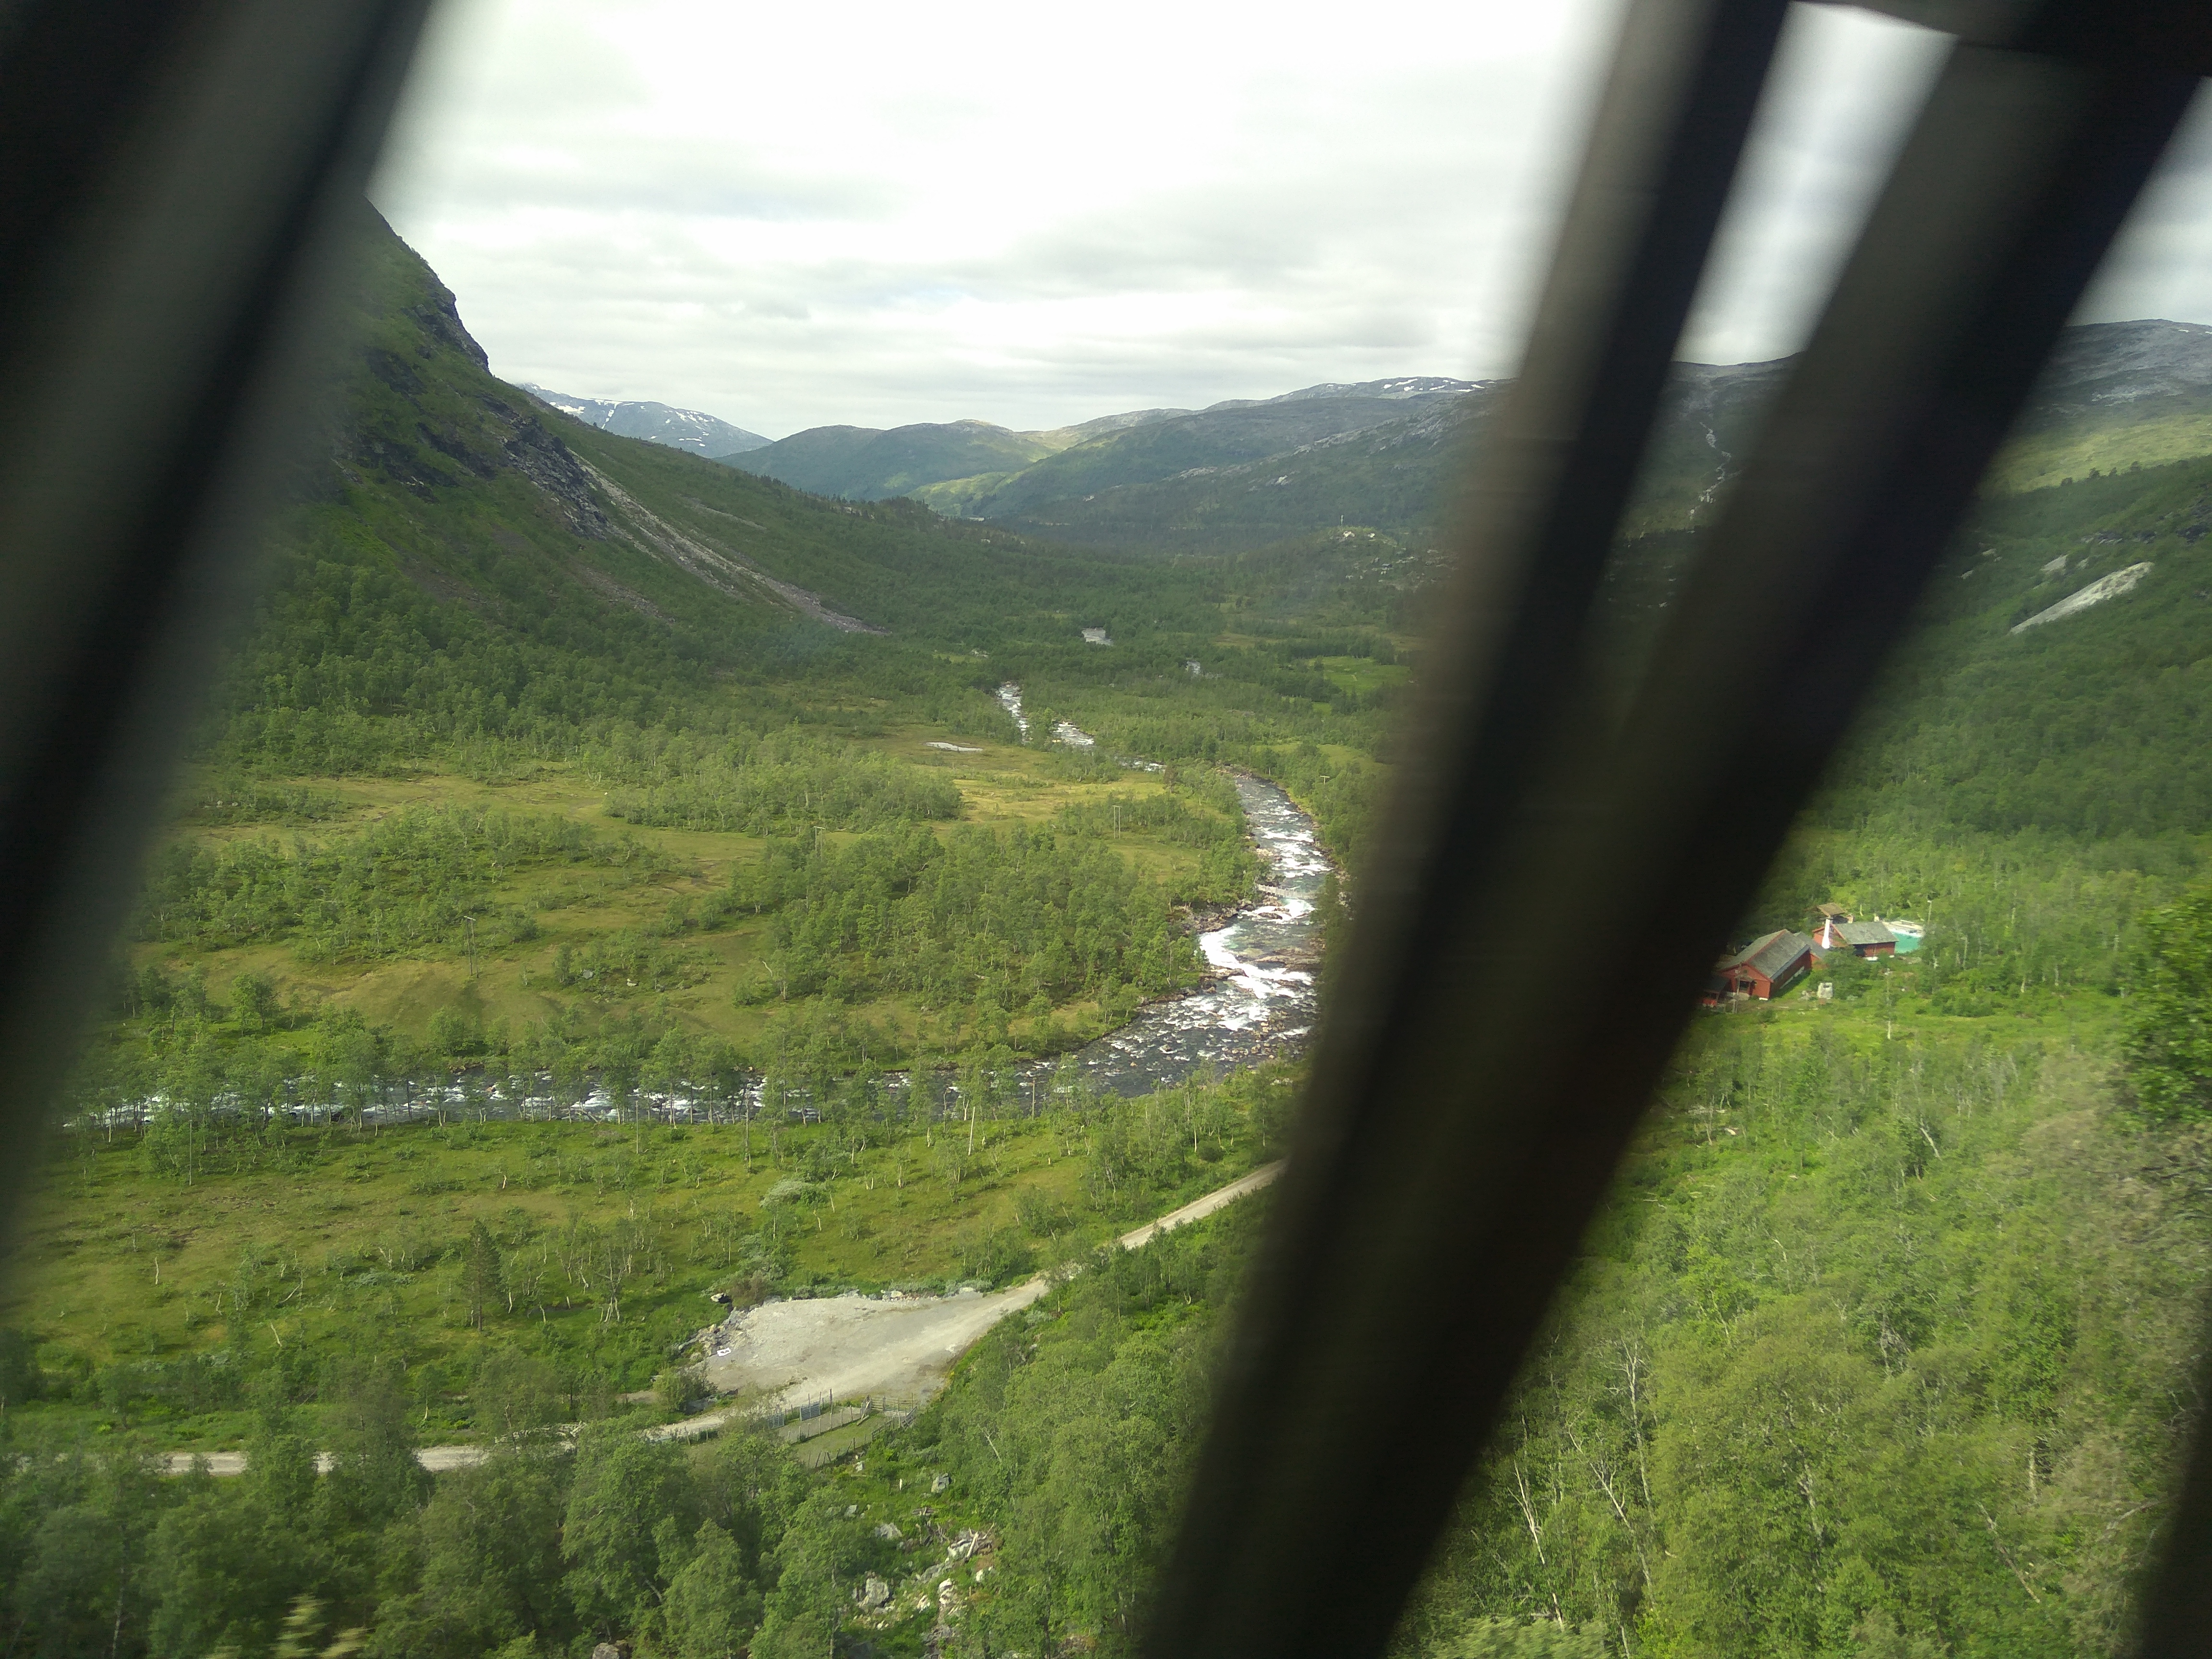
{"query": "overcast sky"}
(800, 216)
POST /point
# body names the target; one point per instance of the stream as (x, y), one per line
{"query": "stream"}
(1260, 998)
(1260, 995)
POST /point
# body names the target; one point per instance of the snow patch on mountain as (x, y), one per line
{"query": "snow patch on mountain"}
(657, 423)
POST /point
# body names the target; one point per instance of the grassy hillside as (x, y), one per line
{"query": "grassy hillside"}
(2116, 395)
(1237, 479)
(2031, 793)
(1886, 1342)
(862, 464)
(540, 727)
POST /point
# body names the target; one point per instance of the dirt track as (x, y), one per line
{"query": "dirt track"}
(892, 1350)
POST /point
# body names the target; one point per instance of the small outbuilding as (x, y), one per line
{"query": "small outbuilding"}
(1864, 939)
(1764, 969)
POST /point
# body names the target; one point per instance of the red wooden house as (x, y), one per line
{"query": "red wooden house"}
(1764, 969)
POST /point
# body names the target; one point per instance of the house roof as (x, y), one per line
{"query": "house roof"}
(1864, 933)
(1833, 912)
(1768, 955)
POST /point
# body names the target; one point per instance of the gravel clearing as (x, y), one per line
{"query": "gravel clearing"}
(894, 1349)
(890, 1350)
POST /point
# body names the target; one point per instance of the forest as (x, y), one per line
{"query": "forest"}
(532, 800)
(1882, 1348)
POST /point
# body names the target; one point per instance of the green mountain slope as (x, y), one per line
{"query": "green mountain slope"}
(1244, 476)
(2116, 395)
(478, 524)
(562, 764)
(1392, 476)
(548, 731)
(863, 463)
(1213, 438)
(2090, 726)
(969, 469)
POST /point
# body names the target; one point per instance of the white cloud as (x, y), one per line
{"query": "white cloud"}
(875, 214)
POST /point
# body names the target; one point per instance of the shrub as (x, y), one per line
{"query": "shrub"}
(2169, 1041)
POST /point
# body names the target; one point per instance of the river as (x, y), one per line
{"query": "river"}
(1257, 1001)
(1260, 999)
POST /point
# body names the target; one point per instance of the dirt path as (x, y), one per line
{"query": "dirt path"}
(1199, 1208)
(893, 1350)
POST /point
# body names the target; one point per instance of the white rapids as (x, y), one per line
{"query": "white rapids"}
(1261, 998)
(1260, 994)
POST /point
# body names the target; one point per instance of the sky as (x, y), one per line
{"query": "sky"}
(871, 214)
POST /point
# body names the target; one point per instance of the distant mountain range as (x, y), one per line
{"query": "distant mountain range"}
(2115, 394)
(657, 423)
(1386, 454)
(974, 469)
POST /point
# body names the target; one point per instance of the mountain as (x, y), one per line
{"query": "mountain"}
(562, 769)
(1225, 434)
(1244, 472)
(864, 464)
(546, 555)
(1383, 455)
(971, 469)
(2115, 395)
(657, 423)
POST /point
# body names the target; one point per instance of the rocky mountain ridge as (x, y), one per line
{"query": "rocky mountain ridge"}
(2114, 395)
(657, 423)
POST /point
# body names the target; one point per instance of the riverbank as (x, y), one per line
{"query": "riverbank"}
(1255, 1001)
(147, 1302)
